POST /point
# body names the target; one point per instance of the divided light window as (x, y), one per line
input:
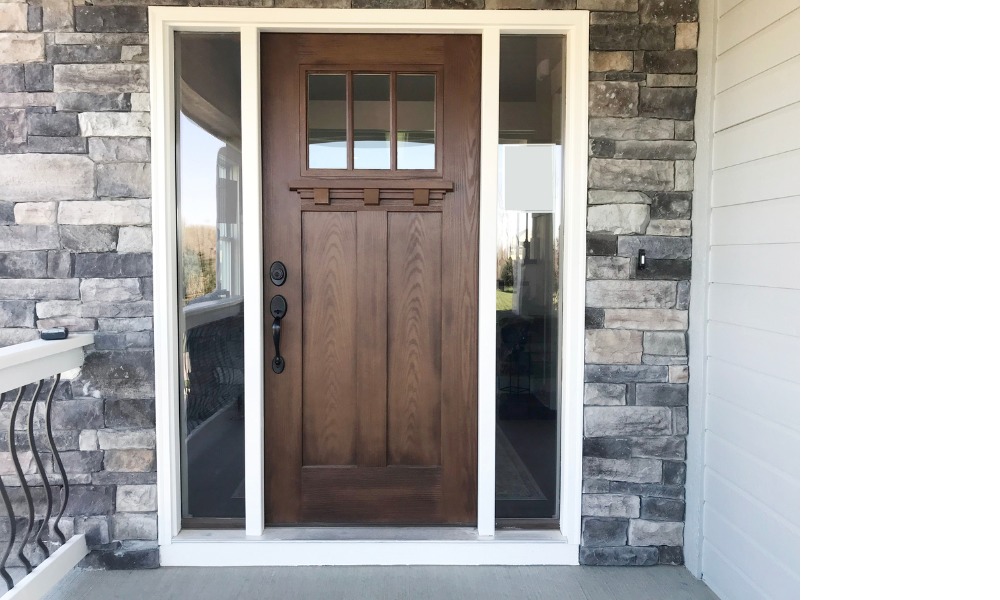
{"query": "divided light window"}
(370, 121)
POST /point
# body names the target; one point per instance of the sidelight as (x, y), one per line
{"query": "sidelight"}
(209, 267)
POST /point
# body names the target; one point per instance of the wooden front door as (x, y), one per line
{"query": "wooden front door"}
(370, 148)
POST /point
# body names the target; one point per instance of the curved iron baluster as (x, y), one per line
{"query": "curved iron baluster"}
(58, 460)
(41, 470)
(20, 477)
(10, 509)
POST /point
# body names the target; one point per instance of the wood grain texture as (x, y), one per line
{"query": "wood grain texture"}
(372, 290)
(414, 339)
(398, 496)
(330, 311)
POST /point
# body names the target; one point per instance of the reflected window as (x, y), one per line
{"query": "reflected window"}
(327, 120)
(372, 121)
(415, 121)
(529, 209)
(210, 264)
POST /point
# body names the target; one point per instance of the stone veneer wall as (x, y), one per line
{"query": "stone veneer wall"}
(75, 249)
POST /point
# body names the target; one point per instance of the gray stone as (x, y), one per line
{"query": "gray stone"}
(602, 148)
(114, 124)
(603, 394)
(119, 149)
(671, 555)
(113, 265)
(602, 421)
(110, 18)
(636, 128)
(135, 239)
(679, 374)
(672, 80)
(668, 11)
(17, 313)
(11, 336)
(28, 237)
(45, 177)
(53, 124)
(669, 227)
(123, 341)
(595, 486)
(88, 500)
(101, 78)
(130, 413)
(662, 447)
(110, 290)
(387, 3)
(661, 394)
(312, 3)
(105, 212)
(130, 461)
(117, 374)
(655, 247)
(614, 36)
(37, 77)
(22, 47)
(11, 77)
(671, 205)
(608, 267)
(26, 99)
(684, 175)
(674, 473)
(655, 37)
(124, 325)
(614, 99)
(665, 343)
(601, 244)
(672, 61)
(133, 526)
(613, 346)
(91, 102)
(531, 4)
(94, 529)
(607, 447)
(127, 555)
(81, 53)
(642, 532)
(107, 39)
(70, 323)
(56, 145)
(604, 531)
(124, 180)
(7, 213)
(593, 318)
(631, 175)
(128, 439)
(13, 130)
(631, 294)
(624, 373)
(92, 238)
(667, 103)
(57, 15)
(648, 319)
(613, 197)
(619, 556)
(40, 289)
(82, 462)
(683, 294)
(681, 420)
(655, 150)
(654, 359)
(137, 498)
(34, 18)
(613, 5)
(21, 265)
(611, 505)
(618, 218)
(684, 130)
(635, 470)
(106, 478)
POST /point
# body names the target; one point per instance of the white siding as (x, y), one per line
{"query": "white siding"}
(750, 437)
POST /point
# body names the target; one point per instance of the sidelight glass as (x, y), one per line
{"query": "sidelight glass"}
(529, 210)
(415, 121)
(209, 272)
(327, 120)
(372, 120)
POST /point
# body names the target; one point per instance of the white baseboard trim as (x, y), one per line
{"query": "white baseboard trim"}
(40, 581)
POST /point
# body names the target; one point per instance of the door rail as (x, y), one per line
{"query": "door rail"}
(35, 501)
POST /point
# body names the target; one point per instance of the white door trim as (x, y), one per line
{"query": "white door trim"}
(256, 545)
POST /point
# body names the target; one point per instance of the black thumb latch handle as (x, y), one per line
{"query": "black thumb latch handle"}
(279, 308)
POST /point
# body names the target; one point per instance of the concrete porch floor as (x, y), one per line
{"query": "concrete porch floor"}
(389, 583)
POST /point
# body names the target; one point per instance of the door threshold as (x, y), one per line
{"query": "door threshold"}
(367, 534)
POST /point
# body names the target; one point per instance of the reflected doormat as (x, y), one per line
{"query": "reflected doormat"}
(514, 480)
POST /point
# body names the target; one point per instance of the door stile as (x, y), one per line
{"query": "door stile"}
(373, 367)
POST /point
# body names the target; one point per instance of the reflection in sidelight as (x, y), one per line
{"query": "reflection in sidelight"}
(529, 208)
(372, 122)
(327, 116)
(209, 221)
(415, 121)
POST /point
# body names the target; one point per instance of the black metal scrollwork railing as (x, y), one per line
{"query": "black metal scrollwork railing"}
(36, 529)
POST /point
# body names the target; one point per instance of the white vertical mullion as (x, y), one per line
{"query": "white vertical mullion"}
(573, 274)
(253, 278)
(489, 177)
(164, 230)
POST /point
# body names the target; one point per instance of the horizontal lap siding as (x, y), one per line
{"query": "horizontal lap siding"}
(751, 511)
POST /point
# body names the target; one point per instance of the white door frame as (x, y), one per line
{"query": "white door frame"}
(258, 545)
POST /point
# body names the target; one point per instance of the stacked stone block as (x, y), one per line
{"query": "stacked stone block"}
(75, 250)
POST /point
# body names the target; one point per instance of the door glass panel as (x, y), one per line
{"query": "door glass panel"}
(529, 210)
(371, 121)
(415, 121)
(327, 116)
(210, 267)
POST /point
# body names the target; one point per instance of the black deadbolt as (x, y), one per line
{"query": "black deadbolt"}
(278, 273)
